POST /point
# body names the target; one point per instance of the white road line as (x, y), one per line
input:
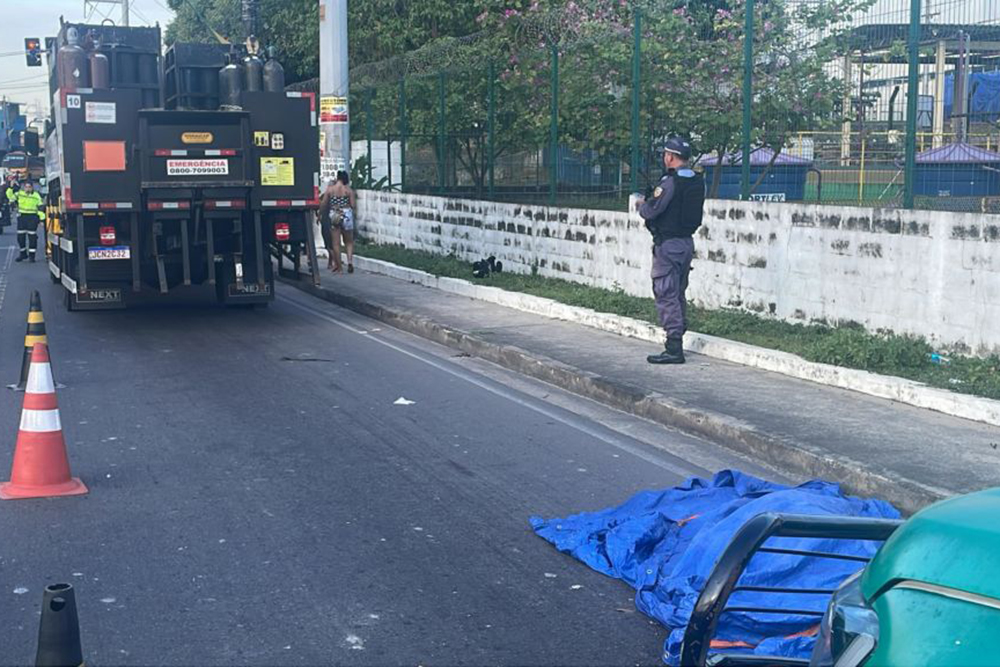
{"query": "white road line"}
(3, 275)
(619, 443)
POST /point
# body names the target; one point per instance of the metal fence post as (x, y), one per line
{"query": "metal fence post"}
(442, 129)
(369, 129)
(636, 75)
(913, 60)
(491, 126)
(747, 102)
(402, 134)
(554, 128)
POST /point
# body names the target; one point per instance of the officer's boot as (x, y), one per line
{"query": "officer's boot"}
(672, 354)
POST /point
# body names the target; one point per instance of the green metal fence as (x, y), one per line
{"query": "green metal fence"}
(870, 102)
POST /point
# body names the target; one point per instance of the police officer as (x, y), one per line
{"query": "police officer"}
(28, 204)
(672, 215)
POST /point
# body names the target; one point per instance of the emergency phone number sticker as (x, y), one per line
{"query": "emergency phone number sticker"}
(197, 167)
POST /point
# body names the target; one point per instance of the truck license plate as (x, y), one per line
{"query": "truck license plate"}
(249, 289)
(109, 252)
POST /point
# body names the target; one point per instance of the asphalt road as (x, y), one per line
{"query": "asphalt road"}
(258, 496)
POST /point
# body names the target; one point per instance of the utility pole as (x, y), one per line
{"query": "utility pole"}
(93, 8)
(334, 86)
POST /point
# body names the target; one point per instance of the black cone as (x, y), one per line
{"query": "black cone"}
(59, 631)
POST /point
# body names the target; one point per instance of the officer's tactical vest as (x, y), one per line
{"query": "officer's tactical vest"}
(683, 214)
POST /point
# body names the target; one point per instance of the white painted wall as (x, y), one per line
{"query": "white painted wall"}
(921, 272)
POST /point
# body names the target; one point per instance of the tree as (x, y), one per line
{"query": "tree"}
(291, 26)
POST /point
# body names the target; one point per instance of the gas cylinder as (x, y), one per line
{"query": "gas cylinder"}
(72, 65)
(230, 85)
(274, 76)
(253, 73)
(100, 70)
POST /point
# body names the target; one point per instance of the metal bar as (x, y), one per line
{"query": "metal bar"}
(185, 251)
(160, 269)
(442, 129)
(369, 129)
(210, 249)
(402, 134)
(81, 256)
(747, 100)
(913, 59)
(311, 252)
(747, 660)
(388, 160)
(636, 81)
(491, 127)
(258, 246)
(238, 228)
(812, 554)
(770, 589)
(136, 267)
(766, 610)
(741, 549)
(554, 128)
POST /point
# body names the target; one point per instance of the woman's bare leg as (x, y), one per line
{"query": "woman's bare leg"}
(336, 250)
(349, 242)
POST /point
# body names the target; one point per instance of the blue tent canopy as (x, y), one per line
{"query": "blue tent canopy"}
(665, 544)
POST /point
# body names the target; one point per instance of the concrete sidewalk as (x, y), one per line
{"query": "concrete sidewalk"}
(873, 446)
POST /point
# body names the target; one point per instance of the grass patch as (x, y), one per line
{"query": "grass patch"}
(847, 345)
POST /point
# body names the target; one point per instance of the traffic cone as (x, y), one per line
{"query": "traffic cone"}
(59, 631)
(41, 468)
(34, 334)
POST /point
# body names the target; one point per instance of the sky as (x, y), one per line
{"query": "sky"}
(40, 18)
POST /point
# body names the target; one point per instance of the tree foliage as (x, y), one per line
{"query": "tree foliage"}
(692, 69)
(291, 26)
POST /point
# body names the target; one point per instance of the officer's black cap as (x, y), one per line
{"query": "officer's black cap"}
(678, 146)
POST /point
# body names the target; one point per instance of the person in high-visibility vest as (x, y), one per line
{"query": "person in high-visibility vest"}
(29, 213)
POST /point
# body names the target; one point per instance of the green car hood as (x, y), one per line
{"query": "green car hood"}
(953, 543)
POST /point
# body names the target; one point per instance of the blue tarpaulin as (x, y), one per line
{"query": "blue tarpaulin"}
(665, 544)
(984, 96)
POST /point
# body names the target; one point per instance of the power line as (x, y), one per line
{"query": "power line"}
(142, 17)
(33, 77)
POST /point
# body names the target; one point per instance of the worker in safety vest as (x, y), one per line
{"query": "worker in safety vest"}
(28, 204)
(7, 210)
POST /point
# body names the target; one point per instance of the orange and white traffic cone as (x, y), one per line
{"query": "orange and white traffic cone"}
(41, 468)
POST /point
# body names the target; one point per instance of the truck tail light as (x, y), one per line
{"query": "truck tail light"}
(282, 231)
(108, 235)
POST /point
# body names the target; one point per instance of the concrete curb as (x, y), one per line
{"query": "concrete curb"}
(917, 394)
(779, 453)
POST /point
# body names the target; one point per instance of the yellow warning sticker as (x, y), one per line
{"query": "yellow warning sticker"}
(262, 139)
(277, 171)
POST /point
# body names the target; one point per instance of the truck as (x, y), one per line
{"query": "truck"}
(23, 167)
(164, 172)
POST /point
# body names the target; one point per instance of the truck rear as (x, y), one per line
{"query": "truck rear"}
(149, 198)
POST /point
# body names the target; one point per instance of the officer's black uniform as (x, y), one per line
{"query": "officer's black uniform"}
(672, 216)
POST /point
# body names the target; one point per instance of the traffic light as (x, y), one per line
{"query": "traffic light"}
(33, 51)
(31, 142)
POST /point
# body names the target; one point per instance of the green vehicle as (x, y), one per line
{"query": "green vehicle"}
(930, 596)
